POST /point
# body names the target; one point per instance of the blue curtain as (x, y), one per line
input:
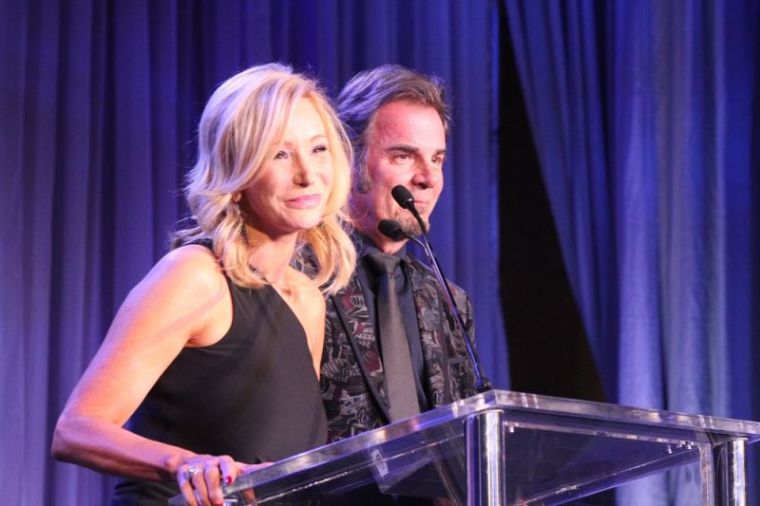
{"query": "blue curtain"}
(98, 108)
(646, 119)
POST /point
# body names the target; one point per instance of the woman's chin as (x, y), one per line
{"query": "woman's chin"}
(306, 223)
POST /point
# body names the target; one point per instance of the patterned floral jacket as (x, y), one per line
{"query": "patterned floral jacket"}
(352, 378)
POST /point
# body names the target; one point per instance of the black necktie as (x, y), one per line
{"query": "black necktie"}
(397, 360)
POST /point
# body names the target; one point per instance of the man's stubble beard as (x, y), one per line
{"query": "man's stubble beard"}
(410, 226)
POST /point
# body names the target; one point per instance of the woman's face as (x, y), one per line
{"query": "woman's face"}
(291, 192)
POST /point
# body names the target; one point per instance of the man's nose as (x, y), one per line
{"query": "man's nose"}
(427, 175)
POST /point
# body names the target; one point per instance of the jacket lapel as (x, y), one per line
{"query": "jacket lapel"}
(432, 323)
(354, 316)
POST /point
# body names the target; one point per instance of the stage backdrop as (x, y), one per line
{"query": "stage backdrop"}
(100, 101)
(645, 122)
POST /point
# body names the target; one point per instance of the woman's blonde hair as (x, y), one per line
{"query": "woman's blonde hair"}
(239, 129)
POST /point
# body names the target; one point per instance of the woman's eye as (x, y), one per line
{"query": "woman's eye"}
(280, 155)
(320, 149)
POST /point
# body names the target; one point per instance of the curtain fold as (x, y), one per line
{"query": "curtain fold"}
(645, 118)
(557, 58)
(100, 102)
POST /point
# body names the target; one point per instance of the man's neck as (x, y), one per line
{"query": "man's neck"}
(384, 244)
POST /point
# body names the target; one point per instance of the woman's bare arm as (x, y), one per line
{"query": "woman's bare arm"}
(183, 301)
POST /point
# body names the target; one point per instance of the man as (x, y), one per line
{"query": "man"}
(397, 120)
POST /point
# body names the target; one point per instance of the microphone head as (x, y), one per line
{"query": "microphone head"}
(391, 229)
(403, 196)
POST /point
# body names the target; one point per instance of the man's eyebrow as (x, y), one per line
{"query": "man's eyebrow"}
(409, 149)
(405, 148)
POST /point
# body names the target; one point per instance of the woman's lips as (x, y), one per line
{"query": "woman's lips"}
(305, 201)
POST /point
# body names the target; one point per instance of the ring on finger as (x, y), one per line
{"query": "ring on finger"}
(191, 471)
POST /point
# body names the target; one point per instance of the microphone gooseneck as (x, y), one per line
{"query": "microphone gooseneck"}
(393, 230)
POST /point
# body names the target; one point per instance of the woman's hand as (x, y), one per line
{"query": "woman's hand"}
(201, 478)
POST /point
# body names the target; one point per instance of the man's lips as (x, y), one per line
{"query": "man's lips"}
(422, 205)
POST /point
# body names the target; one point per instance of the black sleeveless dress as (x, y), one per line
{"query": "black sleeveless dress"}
(253, 395)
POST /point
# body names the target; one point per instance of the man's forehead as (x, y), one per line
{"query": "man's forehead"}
(405, 108)
(404, 123)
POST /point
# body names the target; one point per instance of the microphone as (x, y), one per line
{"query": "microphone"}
(405, 199)
(393, 230)
(403, 196)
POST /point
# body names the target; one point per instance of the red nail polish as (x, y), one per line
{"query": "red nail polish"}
(228, 480)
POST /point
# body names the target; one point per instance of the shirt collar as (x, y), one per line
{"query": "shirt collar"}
(365, 246)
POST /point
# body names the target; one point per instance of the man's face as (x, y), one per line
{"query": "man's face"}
(406, 145)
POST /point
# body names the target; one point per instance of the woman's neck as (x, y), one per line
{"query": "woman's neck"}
(270, 257)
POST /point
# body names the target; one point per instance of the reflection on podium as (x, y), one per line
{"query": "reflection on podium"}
(503, 447)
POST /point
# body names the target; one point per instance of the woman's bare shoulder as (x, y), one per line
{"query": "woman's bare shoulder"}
(186, 285)
(193, 266)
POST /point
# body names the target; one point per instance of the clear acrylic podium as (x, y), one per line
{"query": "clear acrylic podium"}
(507, 448)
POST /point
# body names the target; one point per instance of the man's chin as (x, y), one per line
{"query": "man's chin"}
(411, 227)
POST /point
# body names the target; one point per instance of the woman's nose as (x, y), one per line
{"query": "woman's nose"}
(304, 171)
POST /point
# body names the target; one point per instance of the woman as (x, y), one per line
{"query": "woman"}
(214, 356)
